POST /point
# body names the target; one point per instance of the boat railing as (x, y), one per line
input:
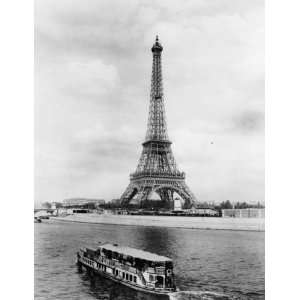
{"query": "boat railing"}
(156, 270)
(150, 270)
(117, 264)
(127, 268)
(160, 270)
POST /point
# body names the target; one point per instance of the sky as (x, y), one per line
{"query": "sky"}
(92, 90)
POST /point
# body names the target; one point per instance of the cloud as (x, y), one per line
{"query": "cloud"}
(250, 121)
(92, 72)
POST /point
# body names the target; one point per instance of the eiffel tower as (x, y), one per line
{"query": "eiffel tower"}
(157, 171)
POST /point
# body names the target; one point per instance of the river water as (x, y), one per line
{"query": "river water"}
(209, 264)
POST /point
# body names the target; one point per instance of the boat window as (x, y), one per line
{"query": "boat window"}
(126, 276)
(123, 274)
(152, 277)
(169, 265)
(134, 279)
(160, 280)
(130, 277)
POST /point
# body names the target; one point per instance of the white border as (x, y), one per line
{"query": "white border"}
(16, 132)
(282, 149)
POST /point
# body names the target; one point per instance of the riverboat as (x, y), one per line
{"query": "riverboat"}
(137, 269)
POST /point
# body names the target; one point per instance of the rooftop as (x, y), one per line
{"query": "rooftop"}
(135, 253)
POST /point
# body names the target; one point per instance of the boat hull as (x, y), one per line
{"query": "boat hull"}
(128, 284)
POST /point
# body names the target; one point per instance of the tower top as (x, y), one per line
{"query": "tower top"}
(157, 47)
(157, 127)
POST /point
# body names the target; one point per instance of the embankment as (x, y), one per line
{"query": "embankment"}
(247, 224)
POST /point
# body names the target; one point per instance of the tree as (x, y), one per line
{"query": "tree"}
(46, 204)
(242, 205)
(226, 205)
(58, 204)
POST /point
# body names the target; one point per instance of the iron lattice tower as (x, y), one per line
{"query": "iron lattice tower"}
(157, 170)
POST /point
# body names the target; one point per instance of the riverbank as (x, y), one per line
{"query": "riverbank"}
(245, 224)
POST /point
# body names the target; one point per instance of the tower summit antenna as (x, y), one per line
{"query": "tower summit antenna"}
(157, 170)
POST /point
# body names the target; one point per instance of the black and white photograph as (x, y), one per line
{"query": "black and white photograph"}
(149, 149)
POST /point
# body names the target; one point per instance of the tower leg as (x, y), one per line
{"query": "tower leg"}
(166, 196)
(129, 193)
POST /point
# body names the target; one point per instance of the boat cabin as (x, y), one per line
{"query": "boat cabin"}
(134, 266)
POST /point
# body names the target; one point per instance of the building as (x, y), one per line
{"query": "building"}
(202, 212)
(116, 202)
(157, 171)
(243, 213)
(177, 204)
(63, 211)
(55, 205)
(82, 202)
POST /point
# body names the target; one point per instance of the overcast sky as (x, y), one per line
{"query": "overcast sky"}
(92, 86)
